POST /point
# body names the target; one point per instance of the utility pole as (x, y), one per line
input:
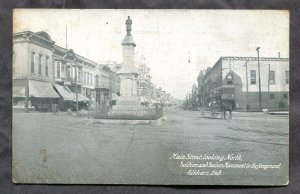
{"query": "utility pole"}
(269, 85)
(246, 65)
(259, 84)
(76, 92)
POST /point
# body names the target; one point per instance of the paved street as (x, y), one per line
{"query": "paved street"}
(62, 149)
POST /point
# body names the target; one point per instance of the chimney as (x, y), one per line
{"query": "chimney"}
(278, 54)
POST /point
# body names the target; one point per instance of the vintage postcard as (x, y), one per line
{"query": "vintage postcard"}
(164, 97)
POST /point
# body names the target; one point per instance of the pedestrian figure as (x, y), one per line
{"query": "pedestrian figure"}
(214, 108)
(248, 107)
(227, 107)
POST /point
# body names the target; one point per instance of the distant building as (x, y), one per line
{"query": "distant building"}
(103, 92)
(236, 79)
(144, 83)
(114, 82)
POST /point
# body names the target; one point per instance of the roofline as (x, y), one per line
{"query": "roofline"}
(79, 57)
(245, 59)
(34, 34)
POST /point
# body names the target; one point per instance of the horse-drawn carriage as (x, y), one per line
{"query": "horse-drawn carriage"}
(222, 100)
(220, 109)
(223, 109)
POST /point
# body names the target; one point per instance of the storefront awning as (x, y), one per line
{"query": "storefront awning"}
(19, 91)
(223, 87)
(227, 96)
(64, 92)
(81, 97)
(114, 96)
(40, 89)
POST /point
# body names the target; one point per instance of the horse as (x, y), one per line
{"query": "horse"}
(225, 106)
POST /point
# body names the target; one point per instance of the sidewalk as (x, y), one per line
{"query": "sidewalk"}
(278, 113)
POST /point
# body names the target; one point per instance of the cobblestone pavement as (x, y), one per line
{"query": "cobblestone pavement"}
(60, 148)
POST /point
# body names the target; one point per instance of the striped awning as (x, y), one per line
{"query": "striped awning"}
(64, 92)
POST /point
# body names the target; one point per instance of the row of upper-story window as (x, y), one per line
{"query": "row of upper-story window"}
(271, 76)
(87, 78)
(42, 61)
(253, 79)
(61, 71)
(73, 71)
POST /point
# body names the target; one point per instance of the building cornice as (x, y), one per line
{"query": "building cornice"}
(254, 58)
(39, 37)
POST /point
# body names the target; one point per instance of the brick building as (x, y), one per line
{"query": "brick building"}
(45, 74)
(236, 79)
(33, 71)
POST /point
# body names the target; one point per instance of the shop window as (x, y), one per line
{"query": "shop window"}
(272, 96)
(272, 77)
(253, 76)
(285, 95)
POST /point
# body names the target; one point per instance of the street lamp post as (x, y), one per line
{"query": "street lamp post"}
(259, 84)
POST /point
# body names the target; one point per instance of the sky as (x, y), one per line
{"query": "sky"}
(166, 38)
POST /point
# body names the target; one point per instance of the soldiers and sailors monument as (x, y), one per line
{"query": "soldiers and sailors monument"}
(128, 104)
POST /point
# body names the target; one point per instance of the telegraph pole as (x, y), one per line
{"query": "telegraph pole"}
(76, 92)
(259, 84)
(247, 87)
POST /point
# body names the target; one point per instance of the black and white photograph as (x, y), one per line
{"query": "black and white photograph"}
(150, 96)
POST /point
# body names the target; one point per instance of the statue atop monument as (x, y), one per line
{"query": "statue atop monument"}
(128, 26)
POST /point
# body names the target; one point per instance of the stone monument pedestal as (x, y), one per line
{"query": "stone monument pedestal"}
(128, 106)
